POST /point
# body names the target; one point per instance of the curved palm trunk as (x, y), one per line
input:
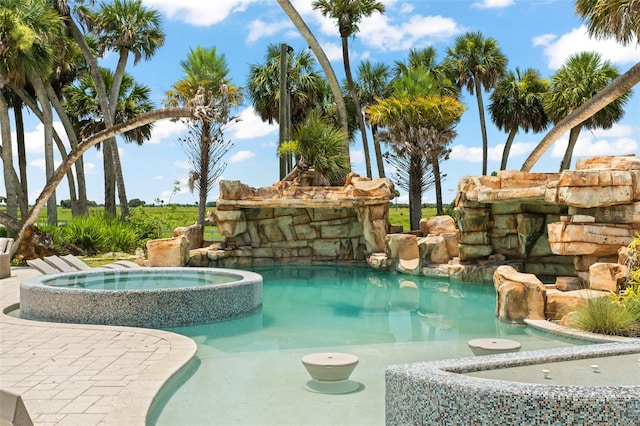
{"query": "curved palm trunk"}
(568, 154)
(356, 102)
(483, 127)
(507, 148)
(378, 150)
(63, 168)
(603, 98)
(299, 23)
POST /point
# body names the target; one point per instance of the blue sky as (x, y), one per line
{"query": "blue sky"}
(540, 34)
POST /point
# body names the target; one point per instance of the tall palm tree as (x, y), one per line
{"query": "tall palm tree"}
(28, 31)
(127, 27)
(477, 63)
(205, 83)
(348, 14)
(580, 78)
(80, 103)
(419, 123)
(516, 103)
(604, 18)
(372, 81)
(306, 33)
(306, 88)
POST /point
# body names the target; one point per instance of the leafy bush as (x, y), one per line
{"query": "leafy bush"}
(87, 232)
(120, 236)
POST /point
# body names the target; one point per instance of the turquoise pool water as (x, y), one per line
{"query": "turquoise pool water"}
(249, 370)
(140, 279)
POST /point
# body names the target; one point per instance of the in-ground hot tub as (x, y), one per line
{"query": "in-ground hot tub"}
(145, 297)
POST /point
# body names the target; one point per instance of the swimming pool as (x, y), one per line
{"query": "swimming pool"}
(249, 372)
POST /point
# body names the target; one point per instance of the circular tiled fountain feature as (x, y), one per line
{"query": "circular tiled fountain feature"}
(493, 346)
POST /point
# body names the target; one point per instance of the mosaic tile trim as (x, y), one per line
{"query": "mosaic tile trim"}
(439, 393)
(153, 308)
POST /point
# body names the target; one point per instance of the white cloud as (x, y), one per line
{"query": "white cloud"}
(34, 140)
(166, 129)
(598, 143)
(159, 177)
(89, 168)
(492, 4)
(199, 12)
(381, 32)
(241, 156)
(250, 126)
(557, 50)
(464, 153)
(333, 51)
(259, 28)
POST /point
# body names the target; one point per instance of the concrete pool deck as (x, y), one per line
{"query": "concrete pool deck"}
(73, 374)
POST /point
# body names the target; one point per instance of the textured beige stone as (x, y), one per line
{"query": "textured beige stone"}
(474, 219)
(594, 178)
(568, 283)
(607, 276)
(588, 239)
(561, 303)
(619, 162)
(595, 196)
(433, 249)
(511, 194)
(230, 223)
(474, 251)
(452, 240)
(519, 296)
(438, 225)
(194, 233)
(168, 251)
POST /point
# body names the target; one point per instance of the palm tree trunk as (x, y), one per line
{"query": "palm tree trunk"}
(437, 179)
(79, 204)
(63, 168)
(47, 121)
(204, 171)
(113, 104)
(306, 33)
(378, 150)
(415, 192)
(356, 102)
(483, 127)
(22, 154)
(10, 183)
(603, 98)
(507, 148)
(568, 154)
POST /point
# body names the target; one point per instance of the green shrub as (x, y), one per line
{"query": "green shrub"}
(120, 236)
(604, 316)
(87, 232)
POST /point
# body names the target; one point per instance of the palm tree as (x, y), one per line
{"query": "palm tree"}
(516, 103)
(319, 146)
(127, 27)
(477, 63)
(306, 88)
(81, 104)
(205, 84)
(302, 27)
(348, 14)
(419, 124)
(580, 78)
(29, 31)
(372, 81)
(604, 18)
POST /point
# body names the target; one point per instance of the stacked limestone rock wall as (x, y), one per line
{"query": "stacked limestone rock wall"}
(291, 223)
(553, 224)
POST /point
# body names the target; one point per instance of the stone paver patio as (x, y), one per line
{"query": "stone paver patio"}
(72, 374)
